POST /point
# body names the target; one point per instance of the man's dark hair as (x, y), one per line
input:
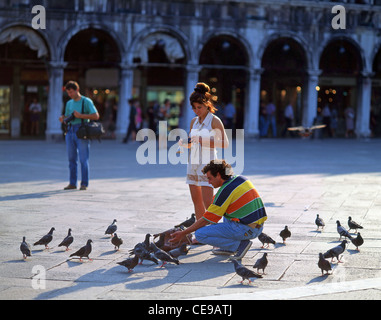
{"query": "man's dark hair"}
(72, 85)
(219, 166)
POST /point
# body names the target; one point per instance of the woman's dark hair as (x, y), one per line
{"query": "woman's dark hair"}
(201, 94)
(219, 166)
(72, 85)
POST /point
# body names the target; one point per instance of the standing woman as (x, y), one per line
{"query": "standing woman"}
(207, 133)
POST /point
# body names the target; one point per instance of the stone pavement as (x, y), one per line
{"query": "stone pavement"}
(296, 178)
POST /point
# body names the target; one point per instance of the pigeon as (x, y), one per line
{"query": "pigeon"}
(46, 239)
(323, 264)
(129, 263)
(143, 253)
(335, 252)
(244, 272)
(187, 223)
(319, 222)
(159, 243)
(117, 242)
(162, 255)
(67, 241)
(285, 233)
(84, 251)
(358, 241)
(145, 245)
(261, 263)
(342, 231)
(264, 238)
(306, 131)
(353, 225)
(111, 229)
(180, 251)
(25, 249)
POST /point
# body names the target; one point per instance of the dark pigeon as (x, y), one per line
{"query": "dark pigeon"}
(145, 244)
(319, 222)
(67, 241)
(353, 225)
(187, 223)
(143, 253)
(264, 238)
(358, 241)
(117, 242)
(160, 243)
(285, 233)
(180, 251)
(261, 263)
(342, 231)
(84, 251)
(111, 229)
(129, 263)
(335, 252)
(25, 249)
(324, 265)
(162, 255)
(46, 239)
(244, 272)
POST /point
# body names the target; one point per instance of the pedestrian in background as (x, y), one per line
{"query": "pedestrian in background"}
(75, 146)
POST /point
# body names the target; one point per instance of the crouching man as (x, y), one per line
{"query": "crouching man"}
(241, 207)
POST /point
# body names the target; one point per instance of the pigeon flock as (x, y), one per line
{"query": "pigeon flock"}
(152, 251)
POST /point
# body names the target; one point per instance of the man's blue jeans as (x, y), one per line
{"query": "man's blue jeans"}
(75, 147)
(226, 235)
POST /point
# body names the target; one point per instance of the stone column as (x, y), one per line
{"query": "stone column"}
(252, 104)
(363, 105)
(125, 93)
(16, 103)
(190, 83)
(55, 103)
(311, 98)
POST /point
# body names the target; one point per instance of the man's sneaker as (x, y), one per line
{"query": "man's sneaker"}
(70, 187)
(222, 252)
(243, 248)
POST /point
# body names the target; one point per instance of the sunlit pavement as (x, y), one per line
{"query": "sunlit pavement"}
(296, 178)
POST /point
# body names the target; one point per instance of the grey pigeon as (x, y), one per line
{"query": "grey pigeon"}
(244, 272)
(111, 229)
(323, 264)
(46, 239)
(264, 238)
(319, 222)
(142, 252)
(261, 263)
(285, 233)
(187, 223)
(129, 263)
(84, 251)
(342, 231)
(145, 244)
(353, 225)
(162, 255)
(358, 241)
(67, 241)
(25, 249)
(116, 241)
(335, 252)
(180, 251)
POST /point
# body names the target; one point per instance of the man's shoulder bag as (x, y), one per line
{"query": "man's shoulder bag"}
(90, 130)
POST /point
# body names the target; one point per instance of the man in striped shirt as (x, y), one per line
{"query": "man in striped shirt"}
(240, 206)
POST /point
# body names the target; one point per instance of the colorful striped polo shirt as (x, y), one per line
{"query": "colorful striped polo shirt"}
(237, 200)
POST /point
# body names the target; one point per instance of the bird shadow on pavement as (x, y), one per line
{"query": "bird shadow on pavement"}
(318, 279)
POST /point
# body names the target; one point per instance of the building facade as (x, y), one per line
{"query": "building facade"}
(250, 53)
